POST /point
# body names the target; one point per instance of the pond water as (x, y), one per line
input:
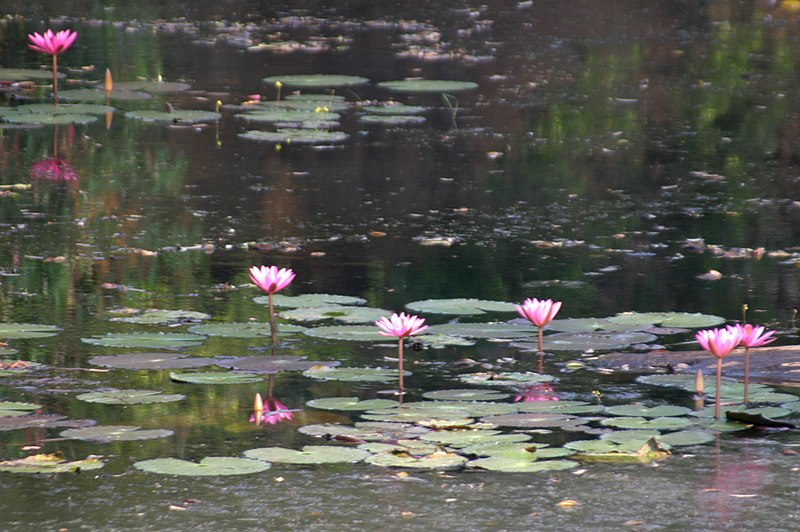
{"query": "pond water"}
(616, 156)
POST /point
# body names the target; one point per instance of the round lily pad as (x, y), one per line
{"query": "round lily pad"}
(14, 405)
(520, 449)
(584, 325)
(606, 446)
(111, 433)
(584, 341)
(162, 316)
(406, 414)
(354, 333)
(365, 431)
(13, 331)
(773, 412)
(440, 341)
(508, 378)
(242, 330)
(353, 374)
(687, 437)
(151, 361)
(393, 120)
(317, 81)
(230, 377)
(64, 109)
(350, 404)
(643, 411)
(413, 447)
(339, 313)
(436, 461)
(179, 116)
(48, 119)
(465, 395)
(146, 340)
(286, 116)
(18, 419)
(311, 454)
(128, 397)
(211, 466)
(314, 97)
(154, 86)
(310, 300)
(484, 330)
(559, 407)
(461, 307)
(24, 74)
(427, 85)
(517, 465)
(50, 463)
(394, 109)
(463, 438)
(99, 95)
(296, 136)
(268, 364)
(534, 420)
(640, 423)
(668, 319)
(623, 436)
(470, 407)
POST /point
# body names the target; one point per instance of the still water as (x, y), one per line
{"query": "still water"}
(610, 157)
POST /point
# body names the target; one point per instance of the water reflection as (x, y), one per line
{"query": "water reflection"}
(269, 411)
(544, 391)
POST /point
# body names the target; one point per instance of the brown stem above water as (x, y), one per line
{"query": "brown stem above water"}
(400, 367)
(746, 372)
(55, 79)
(272, 325)
(719, 385)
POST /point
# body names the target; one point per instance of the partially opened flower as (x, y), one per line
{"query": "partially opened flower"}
(400, 326)
(539, 312)
(271, 279)
(720, 343)
(52, 44)
(752, 337)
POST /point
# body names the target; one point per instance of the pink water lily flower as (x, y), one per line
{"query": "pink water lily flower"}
(752, 337)
(400, 325)
(540, 312)
(270, 279)
(720, 343)
(52, 43)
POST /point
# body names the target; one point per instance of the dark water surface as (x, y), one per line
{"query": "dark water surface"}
(604, 141)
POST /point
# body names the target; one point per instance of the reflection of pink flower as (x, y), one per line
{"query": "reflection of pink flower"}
(50, 43)
(53, 169)
(537, 392)
(273, 413)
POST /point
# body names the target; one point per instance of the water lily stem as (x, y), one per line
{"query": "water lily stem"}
(541, 349)
(746, 372)
(400, 366)
(719, 385)
(272, 325)
(55, 79)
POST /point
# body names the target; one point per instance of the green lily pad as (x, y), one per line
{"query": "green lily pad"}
(624, 436)
(640, 423)
(427, 85)
(111, 433)
(353, 333)
(64, 109)
(310, 300)
(518, 449)
(643, 411)
(128, 397)
(440, 341)
(676, 380)
(181, 116)
(534, 420)
(48, 119)
(440, 460)
(470, 407)
(24, 74)
(484, 330)
(559, 407)
(311, 454)
(50, 463)
(13, 331)
(394, 109)
(314, 97)
(23, 408)
(668, 319)
(151, 361)
(607, 451)
(317, 81)
(243, 330)
(521, 465)
(463, 438)
(153, 87)
(588, 325)
(465, 395)
(339, 313)
(629, 445)
(17, 419)
(413, 447)
(768, 411)
(406, 414)
(393, 120)
(354, 374)
(99, 95)
(508, 378)
(584, 341)
(687, 437)
(146, 340)
(269, 364)
(286, 116)
(230, 377)
(208, 467)
(163, 317)
(364, 432)
(461, 307)
(296, 136)
(351, 404)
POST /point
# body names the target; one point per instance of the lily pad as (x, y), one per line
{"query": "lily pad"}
(64, 109)
(296, 136)
(218, 377)
(353, 333)
(23, 74)
(151, 361)
(208, 467)
(317, 81)
(668, 319)
(311, 454)
(153, 87)
(364, 432)
(508, 378)
(596, 341)
(314, 97)
(427, 85)
(521, 465)
(243, 330)
(461, 307)
(465, 395)
(146, 340)
(559, 407)
(13, 331)
(310, 300)
(640, 423)
(284, 115)
(268, 364)
(128, 397)
(48, 119)
(162, 316)
(440, 341)
(99, 95)
(687, 437)
(644, 411)
(471, 408)
(521, 449)
(607, 451)
(393, 120)
(464, 438)
(353, 374)
(584, 325)
(350, 404)
(13, 406)
(111, 433)
(534, 420)
(413, 447)
(180, 116)
(406, 414)
(439, 460)
(339, 313)
(769, 411)
(16, 419)
(484, 330)
(50, 463)
(394, 109)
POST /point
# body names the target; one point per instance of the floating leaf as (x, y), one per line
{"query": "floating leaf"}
(607, 451)
(23, 74)
(15, 406)
(471, 408)
(311, 454)
(13, 331)
(640, 423)
(427, 85)
(16, 419)
(317, 81)
(355, 333)
(351, 404)
(518, 465)
(769, 411)
(128, 397)
(559, 407)
(64, 109)
(625, 436)
(584, 325)
(211, 466)
(354, 374)
(50, 463)
(668, 319)
(519, 449)
(314, 97)
(584, 341)
(151, 361)
(340, 313)
(484, 330)
(413, 447)
(464, 438)
(310, 300)
(296, 136)
(465, 395)
(274, 364)
(687, 437)
(439, 341)
(43, 119)
(111, 433)
(534, 420)
(439, 460)
(461, 307)
(230, 377)
(243, 330)
(376, 432)
(146, 340)
(99, 95)
(267, 116)
(177, 116)
(643, 411)
(514, 379)
(393, 120)
(411, 414)
(154, 87)
(394, 109)
(162, 316)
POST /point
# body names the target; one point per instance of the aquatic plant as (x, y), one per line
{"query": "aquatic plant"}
(53, 169)
(271, 280)
(400, 326)
(540, 313)
(752, 337)
(54, 45)
(270, 411)
(720, 343)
